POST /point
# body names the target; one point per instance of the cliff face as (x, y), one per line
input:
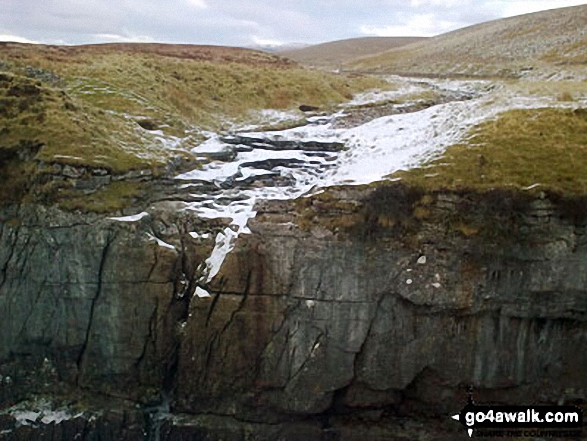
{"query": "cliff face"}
(97, 299)
(368, 304)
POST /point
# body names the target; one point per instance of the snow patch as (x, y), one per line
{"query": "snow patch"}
(40, 413)
(133, 218)
(160, 242)
(201, 292)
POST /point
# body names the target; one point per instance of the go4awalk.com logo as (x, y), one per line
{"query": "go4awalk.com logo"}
(521, 421)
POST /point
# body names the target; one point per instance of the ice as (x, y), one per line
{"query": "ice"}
(55, 417)
(160, 242)
(40, 412)
(26, 417)
(201, 292)
(133, 218)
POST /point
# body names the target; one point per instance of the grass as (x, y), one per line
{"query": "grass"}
(331, 55)
(193, 91)
(71, 131)
(567, 90)
(570, 53)
(541, 148)
(96, 118)
(492, 181)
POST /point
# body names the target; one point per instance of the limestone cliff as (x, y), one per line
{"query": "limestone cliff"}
(359, 312)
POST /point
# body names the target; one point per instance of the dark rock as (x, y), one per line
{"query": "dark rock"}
(24, 90)
(148, 124)
(339, 316)
(282, 144)
(306, 108)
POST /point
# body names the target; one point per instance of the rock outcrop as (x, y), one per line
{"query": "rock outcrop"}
(359, 312)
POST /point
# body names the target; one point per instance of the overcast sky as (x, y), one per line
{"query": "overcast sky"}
(246, 22)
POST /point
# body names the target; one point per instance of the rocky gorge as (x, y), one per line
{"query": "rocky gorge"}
(263, 297)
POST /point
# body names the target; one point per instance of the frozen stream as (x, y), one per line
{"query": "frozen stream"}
(287, 164)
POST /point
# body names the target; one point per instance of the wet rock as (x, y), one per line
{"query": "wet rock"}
(282, 144)
(148, 124)
(306, 108)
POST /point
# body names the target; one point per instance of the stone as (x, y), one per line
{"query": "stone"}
(301, 326)
(73, 172)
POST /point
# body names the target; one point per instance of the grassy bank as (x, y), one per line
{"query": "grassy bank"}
(544, 149)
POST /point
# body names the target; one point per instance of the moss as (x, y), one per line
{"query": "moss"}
(109, 199)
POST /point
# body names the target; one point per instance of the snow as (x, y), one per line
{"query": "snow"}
(212, 145)
(378, 96)
(269, 117)
(77, 158)
(198, 236)
(201, 292)
(133, 218)
(39, 412)
(160, 242)
(224, 244)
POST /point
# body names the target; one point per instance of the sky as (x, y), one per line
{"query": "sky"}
(246, 22)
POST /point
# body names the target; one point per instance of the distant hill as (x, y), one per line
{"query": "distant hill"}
(332, 54)
(276, 48)
(543, 44)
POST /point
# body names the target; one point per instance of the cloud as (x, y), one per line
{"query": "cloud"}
(237, 22)
(115, 38)
(266, 42)
(526, 6)
(441, 3)
(198, 4)
(16, 39)
(421, 25)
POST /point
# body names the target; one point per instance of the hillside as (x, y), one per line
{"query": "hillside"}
(129, 106)
(544, 44)
(332, 54)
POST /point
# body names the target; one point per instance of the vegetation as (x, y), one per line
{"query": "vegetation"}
(531, 45)
(70, 130)
(107, 93)
(108, 199)
(570, 53)
(128, 107)
(541, 149)
(331, 55)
